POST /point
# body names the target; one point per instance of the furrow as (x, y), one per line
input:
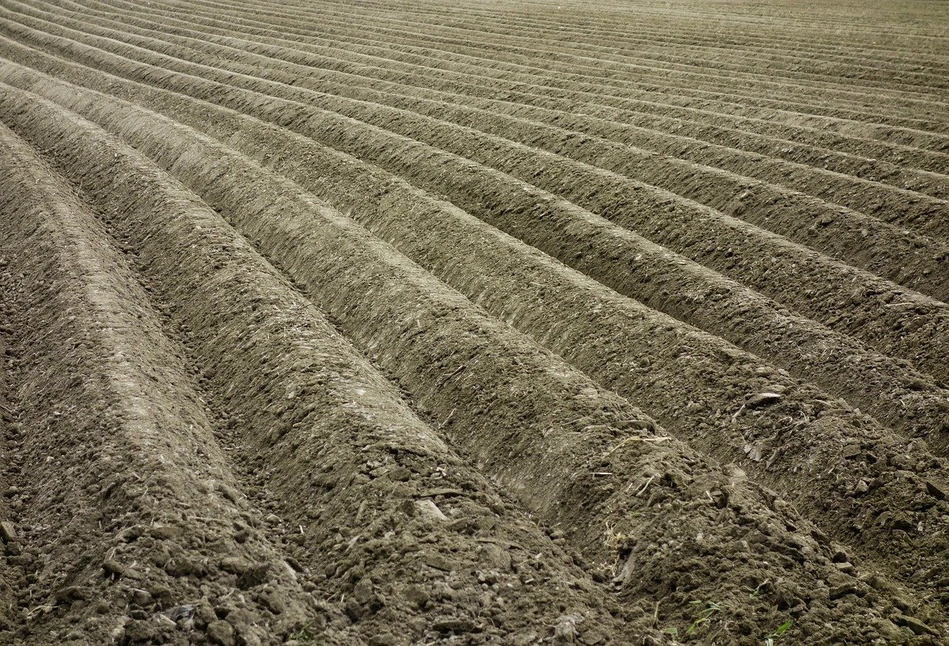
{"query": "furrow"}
(11, 572)
(499, 30)
(576, 18)
(658, 133)
(392, 514)
(626, 70)
(908, 136)
(117, 453)
(532, 422)
(890, 318)
(824, 135)
(520, 286)
(504, 55)
(902, 398)
(578, 27)
(709, 180)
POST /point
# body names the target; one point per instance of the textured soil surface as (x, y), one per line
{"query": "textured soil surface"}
(400, 322)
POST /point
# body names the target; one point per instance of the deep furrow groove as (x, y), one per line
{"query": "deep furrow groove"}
(816, 295)
(529, 481)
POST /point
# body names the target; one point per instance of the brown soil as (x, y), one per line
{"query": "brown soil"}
(397, 324)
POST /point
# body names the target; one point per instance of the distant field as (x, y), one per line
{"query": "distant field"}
(504, 322)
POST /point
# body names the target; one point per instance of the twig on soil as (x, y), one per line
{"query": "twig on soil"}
(737, 413)
(444, 380)
(447, 419)
(6, 410)
(44, 608)
(642, 489)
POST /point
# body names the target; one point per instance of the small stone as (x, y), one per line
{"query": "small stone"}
(71, 593)
(861, 488)
(165, 532)
(222, 633)
(762, 399)
(902, 604)
(205, 614)
(429, 509)
(850, 451)
(840, 591)
(362, 593)
(165, 622)
(400, 474)
(142, 598)
(918, 627)
(7, 531)
(180, 567)
(274, 602)
(935, 490)
(496, 558)
(438, 562)
(235, 565)
(114, 569)
(162, 593)
(416, 596)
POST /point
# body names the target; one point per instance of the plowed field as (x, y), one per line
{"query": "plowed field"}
(493, 322)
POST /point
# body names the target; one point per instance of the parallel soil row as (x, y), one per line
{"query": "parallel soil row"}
(396, 324)
(592, 324)
(536, 466)
(364, 65)
(511, 53)
(382, 66)
(881, 313)
(902, 143)
(632, 128)
(126, 467)
(762, 203)
(509, 56)
(404, 519)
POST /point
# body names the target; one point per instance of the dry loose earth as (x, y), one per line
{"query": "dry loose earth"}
(401, 322)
